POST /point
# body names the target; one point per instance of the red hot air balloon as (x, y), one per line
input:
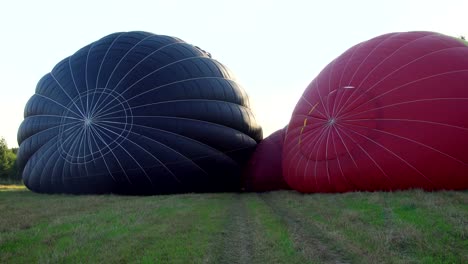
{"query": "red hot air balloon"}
(264, 171)
(390, 113)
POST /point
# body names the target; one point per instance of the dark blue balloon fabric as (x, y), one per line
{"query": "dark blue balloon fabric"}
(137, 113)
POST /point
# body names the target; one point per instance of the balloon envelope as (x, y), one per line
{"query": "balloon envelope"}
(264, 169)
(390, 113)
(137, 113)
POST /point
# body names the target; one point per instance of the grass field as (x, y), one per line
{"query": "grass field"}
(276, 227)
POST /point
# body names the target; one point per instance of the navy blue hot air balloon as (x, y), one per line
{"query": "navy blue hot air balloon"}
(136, 113)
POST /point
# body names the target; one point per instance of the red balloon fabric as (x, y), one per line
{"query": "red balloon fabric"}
(264, 170)
(390, 113)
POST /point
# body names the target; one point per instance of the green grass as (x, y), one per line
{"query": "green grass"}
(277, 227)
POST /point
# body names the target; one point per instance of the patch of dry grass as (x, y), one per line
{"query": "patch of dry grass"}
(12, 187)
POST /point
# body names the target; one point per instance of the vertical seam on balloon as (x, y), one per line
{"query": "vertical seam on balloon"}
(55, 178)
(316, 159)
(78, 147)
(115, 67)
(139, 165)
(49, 157)
(346, 147)
(99, 70)
(414, 141)
(389, 56)
(165, 85)
(89, 145)
(394, 154)
(73, 148)
(58, 116)
(390, 74)
(408, 120)
(326, 155)
(355, 48)
(86, 73)
(371, 52)
(65, 92)
(320, 132)
(102, 155)
(310, 104)
(111, 151)
(390, 36)
(163, 67)
(52, 100)
(43, 144)
(37, 135)
(296, 146)
(320, 96)
(69, 137)
(38, 176)
(185, 118)
(292, 144)
(74, 82)
(124, 56)
(166, 146)
(187, 138)
(405, 102)
(329, 86)
(146, 91)
(79, 141)
(59, 150)
(302, 156)
(401, 86)
(367, 154)
(305, 123)
(137, 64)
(339, 162)
(85, 135)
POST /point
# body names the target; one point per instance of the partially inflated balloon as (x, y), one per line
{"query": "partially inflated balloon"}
(390, 113)
(136, 113)
(264, 170)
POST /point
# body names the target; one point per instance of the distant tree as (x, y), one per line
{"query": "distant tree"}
(8, 168)
(462, 37)
(3, 158)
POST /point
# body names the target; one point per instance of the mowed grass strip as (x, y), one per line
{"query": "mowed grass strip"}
(399, 227)
(69, 229)
(254, 234)
(315, 243)
(275, 242)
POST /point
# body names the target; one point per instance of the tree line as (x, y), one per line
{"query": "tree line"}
(8, 167)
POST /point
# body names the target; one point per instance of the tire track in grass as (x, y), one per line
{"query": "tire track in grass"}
(236, 241)
(254, 234)
(308, 239)
(272, 239)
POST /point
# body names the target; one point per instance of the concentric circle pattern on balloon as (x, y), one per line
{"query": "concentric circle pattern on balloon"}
(137, 113)
(390, 113)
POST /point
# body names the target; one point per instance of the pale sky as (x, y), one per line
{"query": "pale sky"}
(275, 48)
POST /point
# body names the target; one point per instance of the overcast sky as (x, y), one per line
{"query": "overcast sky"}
(275, 48)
